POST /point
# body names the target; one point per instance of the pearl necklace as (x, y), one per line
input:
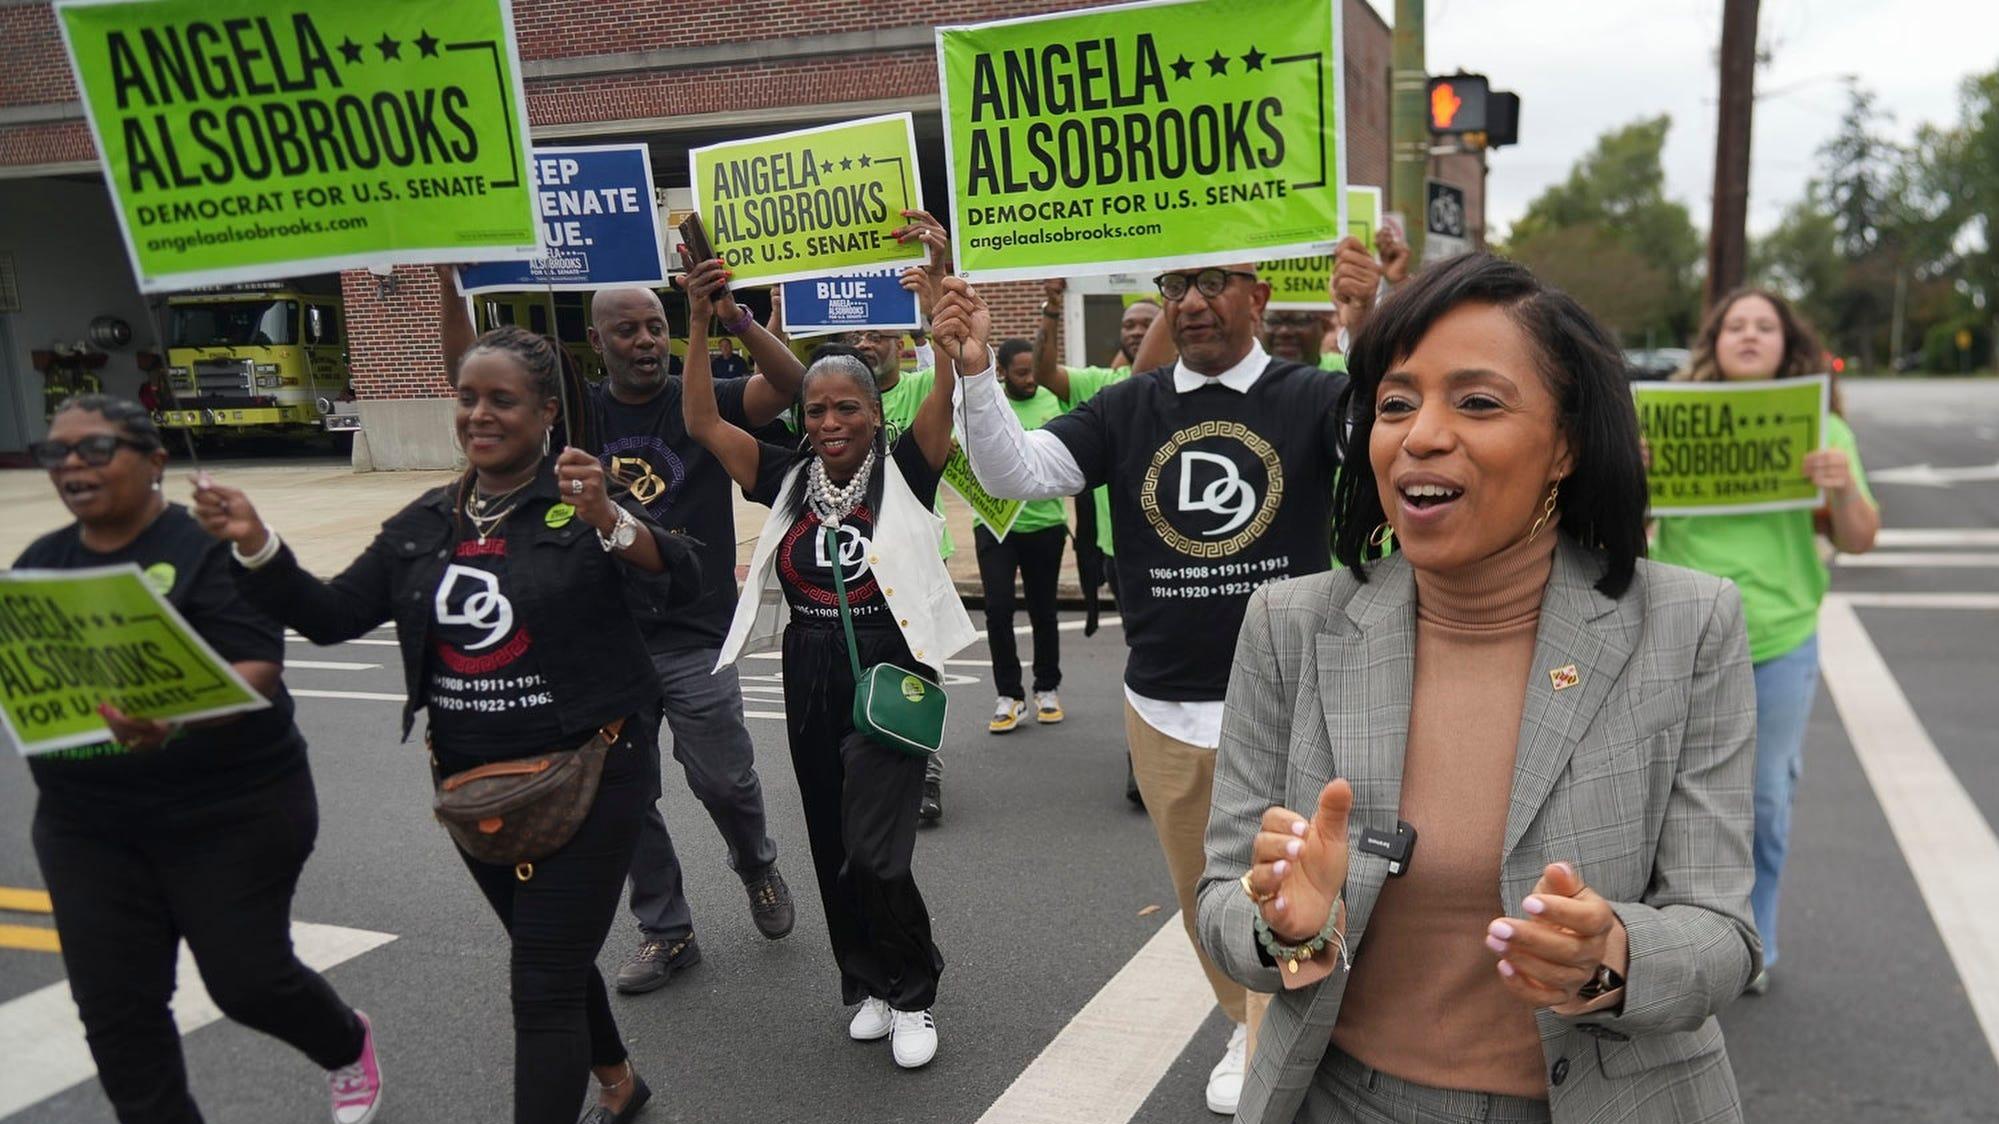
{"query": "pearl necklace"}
(834, 502)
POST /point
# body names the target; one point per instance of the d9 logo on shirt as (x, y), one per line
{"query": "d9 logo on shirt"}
(484, 607)
(1214, 508)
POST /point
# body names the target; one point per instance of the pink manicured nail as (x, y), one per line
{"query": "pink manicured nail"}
(1495, 944)
(1501, 930)
(1294, 848)
(1506, 969)
(1298, 827)
(1278, 868)
(1534, 905)
(1278, 904)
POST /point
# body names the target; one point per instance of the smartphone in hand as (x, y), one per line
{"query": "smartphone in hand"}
(694, 236)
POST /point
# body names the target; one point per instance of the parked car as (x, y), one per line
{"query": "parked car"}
(1654, 364)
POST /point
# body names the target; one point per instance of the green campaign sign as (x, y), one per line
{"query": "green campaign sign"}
(997, 514)
(1307, 283)
(244, 139)
(811, 202)
(72, 639)
(1167, 133)
(1723, 448)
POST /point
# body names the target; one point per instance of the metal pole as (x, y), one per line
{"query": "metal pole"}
(1727, 249)
(1409, 124)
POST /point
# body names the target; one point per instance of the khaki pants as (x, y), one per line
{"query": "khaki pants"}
(1177, 781)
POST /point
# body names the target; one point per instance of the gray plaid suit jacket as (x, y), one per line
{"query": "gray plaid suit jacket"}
(1640, 774)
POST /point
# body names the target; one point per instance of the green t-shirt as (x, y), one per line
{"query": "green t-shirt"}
(1332, 361)
(1034, 412)
(899, 405)
(1084, 383)
(1771, 556)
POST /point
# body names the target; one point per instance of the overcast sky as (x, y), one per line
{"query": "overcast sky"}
(1582, 67)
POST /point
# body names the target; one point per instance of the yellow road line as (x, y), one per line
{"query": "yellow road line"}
(24, 901)
(30, 937)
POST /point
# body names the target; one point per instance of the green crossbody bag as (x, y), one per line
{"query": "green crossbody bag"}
(895, 706)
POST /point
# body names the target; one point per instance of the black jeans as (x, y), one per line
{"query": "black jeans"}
(128, 886)
(860, 801)
(1038, 557)
(557, 921)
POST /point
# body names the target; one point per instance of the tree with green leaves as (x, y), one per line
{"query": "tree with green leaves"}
(1609, 235)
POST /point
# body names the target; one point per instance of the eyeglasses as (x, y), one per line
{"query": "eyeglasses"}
(1210, 282)
(96, 450)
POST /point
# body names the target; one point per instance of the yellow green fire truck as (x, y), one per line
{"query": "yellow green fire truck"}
(253, 360)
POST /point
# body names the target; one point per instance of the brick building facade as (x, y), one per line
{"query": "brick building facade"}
(672, 74)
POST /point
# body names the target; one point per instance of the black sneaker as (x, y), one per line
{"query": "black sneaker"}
(655, 962)
(932, 808)
(770, 903)
(1131, 792)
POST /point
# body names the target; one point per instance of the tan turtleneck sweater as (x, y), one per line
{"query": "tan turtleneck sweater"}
(1425, 1001)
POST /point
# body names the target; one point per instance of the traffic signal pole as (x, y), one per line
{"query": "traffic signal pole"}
(1409, 124)
(1728, 237)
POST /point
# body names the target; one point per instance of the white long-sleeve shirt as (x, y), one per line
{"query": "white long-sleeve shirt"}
(1015, 463)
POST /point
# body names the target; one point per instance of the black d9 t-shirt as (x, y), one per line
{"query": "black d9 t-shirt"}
(205, 763)
(684, 489)
(483, 686)
(1213, 493)
(803, 560)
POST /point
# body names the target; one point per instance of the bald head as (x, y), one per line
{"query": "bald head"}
(628, 328)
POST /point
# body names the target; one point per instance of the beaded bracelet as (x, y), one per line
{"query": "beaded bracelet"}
(1290, 955)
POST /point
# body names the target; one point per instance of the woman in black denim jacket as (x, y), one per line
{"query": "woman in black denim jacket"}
(512, 593)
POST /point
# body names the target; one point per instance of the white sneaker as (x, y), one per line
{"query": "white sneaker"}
(872, 1022)
(914, 1039)
(1225, 1080)
(1047, 708)
(1007, 713)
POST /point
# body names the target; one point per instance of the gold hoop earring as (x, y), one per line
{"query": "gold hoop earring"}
(1547, 510)
(1380, 536)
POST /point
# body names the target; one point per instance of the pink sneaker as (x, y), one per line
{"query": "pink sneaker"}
(357, 1088)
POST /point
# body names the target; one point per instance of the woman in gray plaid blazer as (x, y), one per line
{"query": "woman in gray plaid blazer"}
(1519, 886)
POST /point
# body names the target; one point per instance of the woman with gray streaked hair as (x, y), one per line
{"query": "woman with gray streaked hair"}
(871, 496)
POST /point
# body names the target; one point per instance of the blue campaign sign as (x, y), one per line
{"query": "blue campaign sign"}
(599, 226)
(843, 301)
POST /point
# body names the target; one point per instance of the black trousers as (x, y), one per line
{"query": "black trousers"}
(1037, 555)
(128, 885)
(860, 801)
(557, 921)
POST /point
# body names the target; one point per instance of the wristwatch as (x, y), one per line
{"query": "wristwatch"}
(1606, 980)
(624, 532)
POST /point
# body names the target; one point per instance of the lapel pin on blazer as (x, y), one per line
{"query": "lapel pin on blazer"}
(1565, 677)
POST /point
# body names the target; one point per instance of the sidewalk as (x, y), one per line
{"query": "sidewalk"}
(329, 513)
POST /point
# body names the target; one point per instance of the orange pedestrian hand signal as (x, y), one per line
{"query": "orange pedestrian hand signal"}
(1444, 104)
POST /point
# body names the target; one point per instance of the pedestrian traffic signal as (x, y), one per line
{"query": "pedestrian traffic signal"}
(1458, 104)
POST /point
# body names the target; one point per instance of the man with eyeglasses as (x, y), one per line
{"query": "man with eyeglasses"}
(1220, 470)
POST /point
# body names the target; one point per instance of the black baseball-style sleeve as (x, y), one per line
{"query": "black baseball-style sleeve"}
(729, 400)
(773, 463)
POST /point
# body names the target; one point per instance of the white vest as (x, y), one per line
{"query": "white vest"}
(904, 557)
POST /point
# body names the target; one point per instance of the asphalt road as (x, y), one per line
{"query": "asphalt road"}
(1044, 883)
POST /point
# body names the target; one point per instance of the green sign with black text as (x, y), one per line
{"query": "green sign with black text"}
(997, 514)
(248, 139)
(1307, 283)
(811, 202)
(1142, 136)
(1722, 448)
(71, 640)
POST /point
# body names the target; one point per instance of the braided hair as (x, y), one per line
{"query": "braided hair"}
(552, 373)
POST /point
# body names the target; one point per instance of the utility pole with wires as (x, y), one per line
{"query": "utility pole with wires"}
(1728, 235)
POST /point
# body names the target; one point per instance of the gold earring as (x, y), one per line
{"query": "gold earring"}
(1547, 510)
(1380, 536)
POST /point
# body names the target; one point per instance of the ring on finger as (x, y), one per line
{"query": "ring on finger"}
(1251, 891)
(576, 486)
